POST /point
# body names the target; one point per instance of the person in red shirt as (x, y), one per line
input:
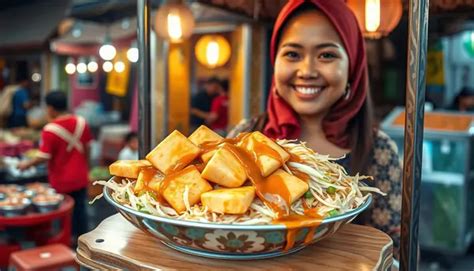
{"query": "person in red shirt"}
(218, 117)
(65, 147)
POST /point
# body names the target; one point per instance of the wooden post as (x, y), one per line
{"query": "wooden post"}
(415, 100)
(144, 78)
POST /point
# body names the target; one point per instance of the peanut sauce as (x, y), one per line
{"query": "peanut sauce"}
(259, 149)
(167, 180)
(271, 189)
(181, 163)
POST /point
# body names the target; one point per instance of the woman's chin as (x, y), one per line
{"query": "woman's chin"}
(307, 111)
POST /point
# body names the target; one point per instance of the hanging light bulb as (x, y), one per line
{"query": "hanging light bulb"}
(81, 66)
(132, 53)
(175, 30)
(70, 67)
(36, 77)
(107, 51)
(372, 15)
(119, 66)
(107, 66)
(377, 18)
(212, 51)
(174, 22)
(92, 66)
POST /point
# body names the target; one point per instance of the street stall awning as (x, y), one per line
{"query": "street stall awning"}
(27, 25)
(268, 9)
(86, 37)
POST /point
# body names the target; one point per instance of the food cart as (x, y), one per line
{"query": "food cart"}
(446, 184)
(418, 17)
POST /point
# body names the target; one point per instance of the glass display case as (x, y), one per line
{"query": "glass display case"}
(446, 204)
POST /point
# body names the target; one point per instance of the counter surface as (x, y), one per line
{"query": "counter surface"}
(117, 244)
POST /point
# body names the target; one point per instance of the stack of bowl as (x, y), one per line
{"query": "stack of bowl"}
(34, 197)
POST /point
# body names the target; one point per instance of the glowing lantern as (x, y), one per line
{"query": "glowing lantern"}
(174, 22)
(212, 51)
(377, 18)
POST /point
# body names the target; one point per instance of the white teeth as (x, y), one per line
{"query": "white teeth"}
(308, 90)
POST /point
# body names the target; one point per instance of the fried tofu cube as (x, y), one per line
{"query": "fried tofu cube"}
(229, 200)
(202, 135)
(280, 181)
(174, 153)
(208, 155)
(269, 155)
(225, 169)
(127, 168)
(174, 186)
(148, 176)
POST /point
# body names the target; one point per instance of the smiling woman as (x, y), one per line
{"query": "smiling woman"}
(320, 96)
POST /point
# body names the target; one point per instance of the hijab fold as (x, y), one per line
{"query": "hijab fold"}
(282, 119)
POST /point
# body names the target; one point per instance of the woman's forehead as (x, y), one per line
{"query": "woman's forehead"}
(310, 27)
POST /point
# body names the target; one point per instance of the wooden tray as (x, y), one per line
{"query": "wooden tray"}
(117, 244)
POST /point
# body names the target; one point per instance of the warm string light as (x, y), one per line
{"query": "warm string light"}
(119, 66)
(70, 68)
(107, 66)
(107, 52)
(132, 54)
(92, 66)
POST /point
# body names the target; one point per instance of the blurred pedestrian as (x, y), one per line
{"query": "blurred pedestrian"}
(65, 148)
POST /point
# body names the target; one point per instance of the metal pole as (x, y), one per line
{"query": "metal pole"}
(415, 99)
(144, 79)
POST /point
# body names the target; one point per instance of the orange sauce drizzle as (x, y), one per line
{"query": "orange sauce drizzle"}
(181, 163)
(168, 179)
(253, 172)
(310, 235)
(301, 175)
(200, 166)
(271, 190)
(148, 174)
(295, 158)
(259, 149)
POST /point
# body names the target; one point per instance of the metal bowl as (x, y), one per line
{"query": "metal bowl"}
(228, 241)
(38, 188)
(10, 207)
(44, 203)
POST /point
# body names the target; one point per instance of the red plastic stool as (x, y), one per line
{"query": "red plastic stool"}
(51, 257)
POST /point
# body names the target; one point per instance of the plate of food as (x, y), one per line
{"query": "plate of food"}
(248, 197)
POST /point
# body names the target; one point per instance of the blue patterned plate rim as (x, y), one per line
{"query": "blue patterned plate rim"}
(225, 256)
(205, 225)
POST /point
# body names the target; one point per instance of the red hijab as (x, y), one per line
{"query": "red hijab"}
(282, 120)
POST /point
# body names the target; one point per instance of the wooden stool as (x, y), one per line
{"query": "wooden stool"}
(51, 257)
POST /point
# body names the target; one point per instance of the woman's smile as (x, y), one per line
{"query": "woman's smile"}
(307, 92)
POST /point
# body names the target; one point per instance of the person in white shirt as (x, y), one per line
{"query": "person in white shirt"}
(130, 150)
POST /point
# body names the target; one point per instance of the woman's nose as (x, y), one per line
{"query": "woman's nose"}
(307, 68)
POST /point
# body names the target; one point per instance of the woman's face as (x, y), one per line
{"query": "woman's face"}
(311, 65)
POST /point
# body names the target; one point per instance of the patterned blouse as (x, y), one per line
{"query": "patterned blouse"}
(385, 167)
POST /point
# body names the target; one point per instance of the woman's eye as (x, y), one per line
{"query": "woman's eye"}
(291, 55)
(327, 55)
